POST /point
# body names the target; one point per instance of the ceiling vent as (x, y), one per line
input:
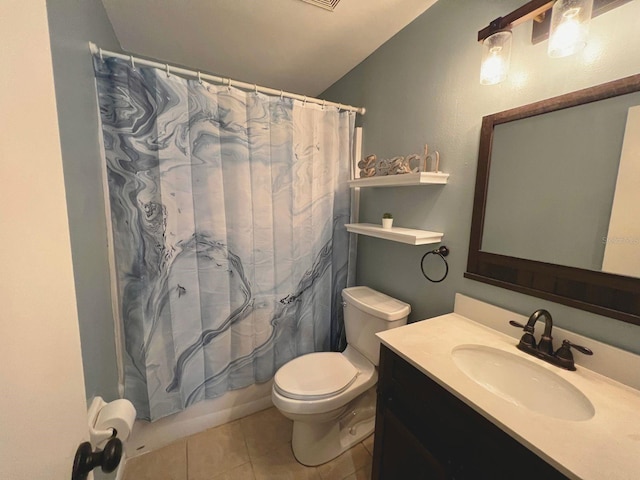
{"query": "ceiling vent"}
(326, 4)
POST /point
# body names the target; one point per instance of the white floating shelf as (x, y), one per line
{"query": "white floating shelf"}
(396, 234)
(407, 179)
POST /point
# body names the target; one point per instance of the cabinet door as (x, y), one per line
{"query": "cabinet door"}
(403, 456)
(423, 431)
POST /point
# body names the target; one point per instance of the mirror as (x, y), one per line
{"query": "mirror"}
(551, 195)
(556, 198)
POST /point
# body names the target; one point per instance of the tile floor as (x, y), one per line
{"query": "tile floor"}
(256, 447)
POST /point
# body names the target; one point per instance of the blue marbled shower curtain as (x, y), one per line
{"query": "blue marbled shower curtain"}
(228, 211)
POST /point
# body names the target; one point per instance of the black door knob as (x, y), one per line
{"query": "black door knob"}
(86, 460)
(111, 455)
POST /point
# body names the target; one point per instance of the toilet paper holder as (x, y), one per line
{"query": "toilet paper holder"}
(103, 438)
(98, 437)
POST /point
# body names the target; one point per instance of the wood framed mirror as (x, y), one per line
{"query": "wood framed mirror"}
(557, 200)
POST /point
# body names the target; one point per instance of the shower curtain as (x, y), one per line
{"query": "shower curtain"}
(228, 212)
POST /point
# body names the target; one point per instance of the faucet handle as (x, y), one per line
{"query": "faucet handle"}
(580, 348)
(564, 357)
(527, 341)
(527, 328)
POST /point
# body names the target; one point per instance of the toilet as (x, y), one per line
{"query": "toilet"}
(331, 396)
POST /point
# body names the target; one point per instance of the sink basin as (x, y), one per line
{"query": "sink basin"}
(522, 382)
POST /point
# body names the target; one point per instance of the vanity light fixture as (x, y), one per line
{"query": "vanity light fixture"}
(566, 26)
(569, 27)
(496, 40)
(496, 55)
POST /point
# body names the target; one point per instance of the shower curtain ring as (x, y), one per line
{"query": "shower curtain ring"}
(100, 54)
(281, 94)
(167, 68)
(229, 85)
(339, 107)
(323, 103)
(304, 102)
(133, 65)
(199, 78)
(255, 88)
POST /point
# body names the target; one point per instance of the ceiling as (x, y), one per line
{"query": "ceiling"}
(283, 44)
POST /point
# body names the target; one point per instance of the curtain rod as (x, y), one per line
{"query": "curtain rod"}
(213, 78)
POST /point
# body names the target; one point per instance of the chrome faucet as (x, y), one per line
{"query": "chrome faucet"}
(544, 348)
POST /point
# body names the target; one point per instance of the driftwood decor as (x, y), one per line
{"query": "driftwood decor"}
(372, 166)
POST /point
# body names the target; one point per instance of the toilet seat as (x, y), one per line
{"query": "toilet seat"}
(315, 376)
(365, 378)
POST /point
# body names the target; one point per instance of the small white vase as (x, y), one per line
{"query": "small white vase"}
(387, 222)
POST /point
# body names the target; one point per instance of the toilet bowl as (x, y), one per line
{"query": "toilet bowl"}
(330, 396)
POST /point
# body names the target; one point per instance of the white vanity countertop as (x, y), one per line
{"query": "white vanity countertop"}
(607, 446)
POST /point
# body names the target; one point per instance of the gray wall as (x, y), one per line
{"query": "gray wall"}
(422, 86)
(72, 24)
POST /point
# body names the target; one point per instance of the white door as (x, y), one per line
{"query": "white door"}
(42, 396)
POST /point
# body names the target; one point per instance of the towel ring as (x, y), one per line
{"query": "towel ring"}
(441, 252)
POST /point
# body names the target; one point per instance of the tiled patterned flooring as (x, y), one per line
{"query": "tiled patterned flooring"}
(257, 447)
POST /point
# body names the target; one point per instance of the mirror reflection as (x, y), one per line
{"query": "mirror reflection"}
(564, 187)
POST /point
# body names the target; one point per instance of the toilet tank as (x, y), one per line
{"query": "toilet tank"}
(367, 312)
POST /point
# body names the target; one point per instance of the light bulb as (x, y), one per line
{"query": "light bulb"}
(496, 55)
(569, 26)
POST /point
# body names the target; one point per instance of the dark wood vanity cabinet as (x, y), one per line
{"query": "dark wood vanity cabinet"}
(425, 432)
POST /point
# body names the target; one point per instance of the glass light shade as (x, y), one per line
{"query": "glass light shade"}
(496, 55)
(569, 26)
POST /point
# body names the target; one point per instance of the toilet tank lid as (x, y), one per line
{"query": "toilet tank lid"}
(376, 303)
